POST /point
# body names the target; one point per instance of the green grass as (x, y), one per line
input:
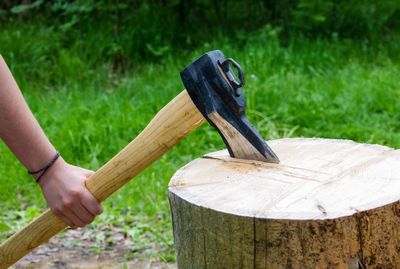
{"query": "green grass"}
(313, 88)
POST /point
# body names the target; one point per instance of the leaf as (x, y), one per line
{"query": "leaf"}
(32, 212)
(4, 227)
(100, 236)
(319, 18)
(157, 51)
(25, 7)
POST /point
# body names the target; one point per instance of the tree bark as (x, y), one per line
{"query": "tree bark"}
(328, 204)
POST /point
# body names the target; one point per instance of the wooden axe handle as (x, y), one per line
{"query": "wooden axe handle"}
(177, 119)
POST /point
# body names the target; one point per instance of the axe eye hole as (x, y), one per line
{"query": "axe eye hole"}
(234, 81)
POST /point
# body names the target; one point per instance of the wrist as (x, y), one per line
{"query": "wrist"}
(51, 172)
(39, 159)
(38, 174)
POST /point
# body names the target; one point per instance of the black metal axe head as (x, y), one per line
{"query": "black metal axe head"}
(217, 93)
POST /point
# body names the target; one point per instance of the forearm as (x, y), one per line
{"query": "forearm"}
(63, 185)
(18, 127)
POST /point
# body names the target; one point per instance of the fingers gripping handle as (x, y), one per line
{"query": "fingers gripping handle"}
(177, 119)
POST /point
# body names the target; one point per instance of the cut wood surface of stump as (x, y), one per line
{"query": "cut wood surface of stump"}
(328, 204)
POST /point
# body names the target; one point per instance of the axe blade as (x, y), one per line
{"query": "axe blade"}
(217, 93)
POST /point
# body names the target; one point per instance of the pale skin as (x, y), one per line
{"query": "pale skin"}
(63, 185)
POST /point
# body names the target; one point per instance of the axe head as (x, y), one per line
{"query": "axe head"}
(217, 93)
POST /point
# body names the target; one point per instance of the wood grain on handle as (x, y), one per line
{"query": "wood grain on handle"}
(177, 119)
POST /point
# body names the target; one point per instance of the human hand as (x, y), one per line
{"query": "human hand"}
(63, 187)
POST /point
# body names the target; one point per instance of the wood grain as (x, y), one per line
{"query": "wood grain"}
(328, 204)
(177, 119)
(239, 144)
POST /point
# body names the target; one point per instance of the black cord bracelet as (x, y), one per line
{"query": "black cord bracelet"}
(45, 168)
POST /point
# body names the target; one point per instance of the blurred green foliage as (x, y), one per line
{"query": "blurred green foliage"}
(133, 29)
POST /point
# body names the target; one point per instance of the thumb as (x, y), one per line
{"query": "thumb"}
(87, 173)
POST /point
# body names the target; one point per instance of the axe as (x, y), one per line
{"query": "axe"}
(213, 92)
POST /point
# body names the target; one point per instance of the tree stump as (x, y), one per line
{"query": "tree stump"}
(328, 204)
